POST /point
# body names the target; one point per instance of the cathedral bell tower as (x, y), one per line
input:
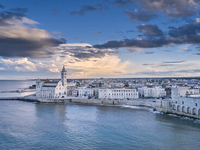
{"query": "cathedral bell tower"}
(64, 77)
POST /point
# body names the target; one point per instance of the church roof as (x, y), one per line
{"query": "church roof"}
(49, 85)
(63, 70)
(51, 81)
(45, 80)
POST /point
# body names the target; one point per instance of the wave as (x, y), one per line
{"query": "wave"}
(185, 118)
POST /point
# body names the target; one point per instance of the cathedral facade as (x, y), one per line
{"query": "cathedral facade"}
(52, 89)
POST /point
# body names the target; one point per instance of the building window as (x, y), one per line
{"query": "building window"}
(183, 102)
(195, 104)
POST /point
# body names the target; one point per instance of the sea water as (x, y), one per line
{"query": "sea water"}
(36, 126)
(43, 126)
(13, 85)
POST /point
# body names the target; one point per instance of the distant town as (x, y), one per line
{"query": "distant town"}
(145, 87)
(170, 95)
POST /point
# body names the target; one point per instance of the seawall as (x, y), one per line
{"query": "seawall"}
(136, 102)
(166, 107)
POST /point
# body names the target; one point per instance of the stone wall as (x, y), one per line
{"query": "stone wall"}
(137, 102)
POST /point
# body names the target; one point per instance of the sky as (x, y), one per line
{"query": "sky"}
(99, 38)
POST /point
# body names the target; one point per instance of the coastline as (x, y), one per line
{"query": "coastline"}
(155, 104)
(149, 103)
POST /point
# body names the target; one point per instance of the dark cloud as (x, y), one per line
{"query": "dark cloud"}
(172, 8)
(88, 8)
(140, 15)
(150, 30)
(185, 30)
(147, 9)
(149, 52)
(23, 43)
(6, 15)
(143, 43)
(174, 62)
(62, 39)
(19, 47)
(186, 34)
(130, 31)
(2, 6)
(147, 64)
(87, 52)
(20, 10)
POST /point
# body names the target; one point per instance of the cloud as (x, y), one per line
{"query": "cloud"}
(186, 49)
(150, 30)
(138, 50)
(97, 32)
(91, 65)
(173, 8)
(88, 8)
(140, 15)
(170, 69)
(18, 64)
(130, 31)
(19, 40)
(174, 62)
(28, 21)
(140, 43)
(85, 51)
(185, 34)
(55, 32)
(149, 52)
(147, 64)
(185, 30)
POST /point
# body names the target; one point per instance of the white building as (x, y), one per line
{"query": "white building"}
(85, 92)
(155, 92)
(118, 93)
(183, 91)
(185, 105)
(52, 89)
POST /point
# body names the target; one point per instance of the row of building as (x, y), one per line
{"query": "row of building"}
(57, 89)
(181, 100)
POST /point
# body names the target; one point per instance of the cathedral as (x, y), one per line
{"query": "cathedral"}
(52, 89)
